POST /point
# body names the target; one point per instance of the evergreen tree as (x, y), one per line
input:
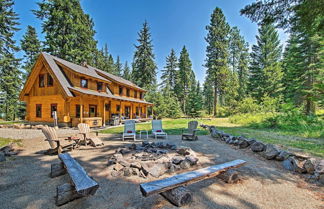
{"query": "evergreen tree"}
(217, 53)
(243, 71)
(195, 101)
(69, 32)
(31, 47)
(208, 96)
(118, 67)
(169, 74)
(185, 78)
(173, 109)
(144, 67)
(265, 69)
(10, 76)
(127, 74)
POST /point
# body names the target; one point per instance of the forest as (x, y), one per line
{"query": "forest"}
(264, 85)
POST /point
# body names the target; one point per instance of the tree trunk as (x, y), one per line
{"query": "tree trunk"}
(215, 99)
(179, 196)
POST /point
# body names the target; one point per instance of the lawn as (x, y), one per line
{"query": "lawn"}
(5, 141)
(175, 126)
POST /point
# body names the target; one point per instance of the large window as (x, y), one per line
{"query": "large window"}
(41, 78)
(118, 108)
(127, 92)
(120, 90)
(77, 111)
(53, 109)
(84, 83)
(38, 110)
(99, 86)
(50, 80)
(92, 110)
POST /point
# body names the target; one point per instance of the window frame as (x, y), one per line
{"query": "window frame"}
(40, 113)
(95, 108)
(53, 105)
(102, 86)
(118, 107)
(120, 90)
(50, 78)
(78, 111)
(135, 94)
(84, 79)
(41, 77)
(128, 92)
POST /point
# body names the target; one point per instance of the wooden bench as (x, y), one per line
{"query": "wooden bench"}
(81, 184)
(172, 188)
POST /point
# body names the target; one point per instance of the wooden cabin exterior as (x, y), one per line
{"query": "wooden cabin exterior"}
(79, 94)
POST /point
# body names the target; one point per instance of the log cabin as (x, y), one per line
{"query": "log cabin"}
(79, 93)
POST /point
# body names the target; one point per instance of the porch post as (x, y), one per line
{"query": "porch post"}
(104, 113)
(146, 116)
(81, 110)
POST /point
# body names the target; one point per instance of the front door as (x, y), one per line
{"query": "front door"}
(127, 111)
(92, 110)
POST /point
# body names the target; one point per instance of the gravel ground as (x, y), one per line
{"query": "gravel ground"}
(25, 181)
(32, 133)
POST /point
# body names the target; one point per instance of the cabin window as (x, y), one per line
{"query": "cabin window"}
(127, 92)
(38, 110)
(99, 86)
(142, 95)
(84, 83)
(135, 94)
(107, 107)
(118, 108)
(92, 110)
(41, 80)
(50, 80)
(53, 108)
(137, 111)
(120, 90)
(77, 111)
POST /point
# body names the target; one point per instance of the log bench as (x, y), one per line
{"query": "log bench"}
(172, 188)
(81, 184)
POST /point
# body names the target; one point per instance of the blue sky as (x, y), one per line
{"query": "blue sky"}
(173, 23)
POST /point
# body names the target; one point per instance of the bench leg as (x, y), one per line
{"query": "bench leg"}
(230, 176)
(179, 196)
(66, 193)
(57, 169)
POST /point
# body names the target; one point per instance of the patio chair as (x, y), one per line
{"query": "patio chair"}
(190, 133)
(52, 138)
(85, 131)
(129, 130)
(157, 129)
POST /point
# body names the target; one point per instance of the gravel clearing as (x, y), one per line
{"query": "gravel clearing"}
(12, 133)
(25, 181)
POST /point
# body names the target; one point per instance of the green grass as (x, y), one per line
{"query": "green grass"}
(174, 126)
(5, 141)
(4, 122)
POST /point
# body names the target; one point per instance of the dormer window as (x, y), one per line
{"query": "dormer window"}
(41, 78)
(84, 83)
(50, 80)
(127, 92)
(120, 90)
(99, 86)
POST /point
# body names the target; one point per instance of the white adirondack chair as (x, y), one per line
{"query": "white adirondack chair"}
(129, 129)
(85, 131)
(157, 129)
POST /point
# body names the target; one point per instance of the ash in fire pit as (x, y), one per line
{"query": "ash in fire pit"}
(152, 159)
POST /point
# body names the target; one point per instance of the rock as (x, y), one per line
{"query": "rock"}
(321, 179)
(135, 171)
(115, 158)
(156, 170)
(2, 157)
(145, 143)
(243, 144)
(124, 151)
(136, 165)
(309, 165)
(118, 167)
(185, 164)
(283, 155)
(298, 165)
(288, 165)
(236, 142)
(127, 171)
(142, 174)
(251, 141)
(177, 160)
(270, 152)
(192, 160)
(124, 163)
(257, 147)
(115, 173)
(171, 146)
(319, 168)
(184, 151)
(162, 152)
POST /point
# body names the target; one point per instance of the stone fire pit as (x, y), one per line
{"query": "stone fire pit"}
(154, 159)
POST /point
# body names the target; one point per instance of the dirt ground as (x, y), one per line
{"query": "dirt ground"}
(25, 181)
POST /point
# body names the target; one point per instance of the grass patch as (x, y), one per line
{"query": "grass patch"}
(5, 141)
(4, 122)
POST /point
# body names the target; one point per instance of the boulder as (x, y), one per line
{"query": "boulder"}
(115, 173)
(177, 160)
(145, 143)
(243, 144)
(288, 164)
(127, 171)
(251, 141)
(319, 168)
(135, 171)
(258, 147)
(270, 152)
(124, 163)
(184, 151)
(157, 170)
(321, 179)
(118, 167)
(309, 165)
(283, 155)
(185, 164)
(136, 165)
(2, 157)
(298, 165)
(192, 160)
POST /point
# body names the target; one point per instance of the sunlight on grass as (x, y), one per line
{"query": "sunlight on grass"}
(5, 141)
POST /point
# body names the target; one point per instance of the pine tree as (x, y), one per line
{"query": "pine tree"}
(185, 78)
(265, 69)
(69, 32)
(127, 74)
(208, 96)
(195, 101)
(118, 67)
(217, 53)
(144, 67)
(31, 47)
(10, 76)
(169, 74)
(243, 71)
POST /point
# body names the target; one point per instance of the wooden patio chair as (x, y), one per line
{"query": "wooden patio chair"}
(54, 142)
(85, 131)
(129, 129)
(190, 133)
(157, 129)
